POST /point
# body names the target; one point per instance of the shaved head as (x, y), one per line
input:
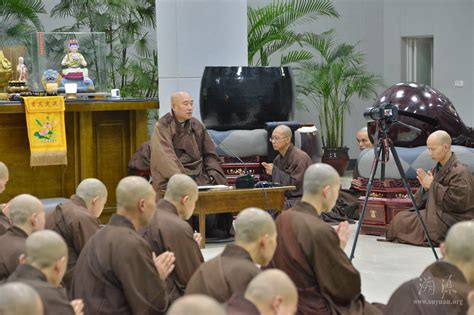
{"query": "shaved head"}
(177, 96)
(459, 244)
(180, 185)
(363, 129)
(318, 176)
(268, 286)
(251, 224)
(18, 298)
(132, 189)
(440, 137)
(90, 188)
(3, 171)
(283, 130)
(196, 304)
(44, 249)
(22, 207)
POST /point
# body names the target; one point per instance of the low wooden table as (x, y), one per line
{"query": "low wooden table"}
(236, 200)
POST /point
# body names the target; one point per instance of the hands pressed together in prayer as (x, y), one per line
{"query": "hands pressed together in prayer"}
(424, 178)
(164, 263)
(78, 306)
(268, 167)
(342, 231)
(197, 237)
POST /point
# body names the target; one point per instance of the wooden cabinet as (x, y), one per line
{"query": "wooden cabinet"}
(102, 135)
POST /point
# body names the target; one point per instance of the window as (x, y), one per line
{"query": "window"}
(417, 60)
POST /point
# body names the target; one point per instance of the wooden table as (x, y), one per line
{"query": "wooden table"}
(236, 200)
(102, 135)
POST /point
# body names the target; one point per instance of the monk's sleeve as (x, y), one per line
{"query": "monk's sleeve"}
(454, 196)
(82, 231)
(144, 290)
(163, 158)
(212, 163)
(337, 277)
(294, 177)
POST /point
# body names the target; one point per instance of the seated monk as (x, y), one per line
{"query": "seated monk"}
(311, 252)
(231, 272)
(446, 196)
(43, 266)
(449, 280)
(27, 215)
(168, 231)
(270, 292)
(5, 222)
(347, 204)
(17, 298)
(76, 220)
(117, 273)
(180, 144)
(289, 165)
(196, 304)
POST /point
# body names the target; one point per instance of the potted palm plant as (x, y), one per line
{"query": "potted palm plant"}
(330, 85)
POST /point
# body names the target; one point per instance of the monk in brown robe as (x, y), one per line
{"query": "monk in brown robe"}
(231, 272)
(270, 292)
(116, 272)
(446, 196)
(289, 165)
(43, 266)
(76, 220)
(5, 222)
(347, 204)
(180, 144)
(311, 252)
(168, 231)
(27, 215)
(17, 298)
(196, 304)
(444, 286)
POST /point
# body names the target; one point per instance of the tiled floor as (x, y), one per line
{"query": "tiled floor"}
(383, 266)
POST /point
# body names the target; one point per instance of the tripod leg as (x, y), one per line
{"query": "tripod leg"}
(378, 151)
(410, 194)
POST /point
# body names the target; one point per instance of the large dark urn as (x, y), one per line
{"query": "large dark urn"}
(427, 109)
(246, 97)
(337, 158)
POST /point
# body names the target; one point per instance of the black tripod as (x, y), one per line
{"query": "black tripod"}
(382, 145)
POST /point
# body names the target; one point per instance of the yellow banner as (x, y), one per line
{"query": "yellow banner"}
(46, 130)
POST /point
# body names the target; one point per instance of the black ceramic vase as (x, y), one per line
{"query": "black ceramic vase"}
(246, 97)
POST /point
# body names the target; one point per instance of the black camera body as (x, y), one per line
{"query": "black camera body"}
(245, 181)
(387, 112)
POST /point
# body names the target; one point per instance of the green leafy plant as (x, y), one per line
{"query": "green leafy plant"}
(271, 29)
(330, 85)
(19, 18)
(131, 59)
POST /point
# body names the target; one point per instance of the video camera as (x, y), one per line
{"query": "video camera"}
(387, 112)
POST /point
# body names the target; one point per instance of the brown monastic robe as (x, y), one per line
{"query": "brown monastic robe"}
(76, 225)
(441, 289)
(168, 232)
(449, 200)
(115, 273)
(54, 299)
(183, 149)
(224, 275)
(289, 170)
(308, 251)
(12, 245)
(5, 223)
(239, 305)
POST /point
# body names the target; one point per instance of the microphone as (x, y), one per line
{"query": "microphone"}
(245, 180)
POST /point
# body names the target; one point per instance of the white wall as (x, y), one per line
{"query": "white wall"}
(192, 34)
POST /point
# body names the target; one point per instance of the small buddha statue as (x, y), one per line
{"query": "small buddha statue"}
(73, 60)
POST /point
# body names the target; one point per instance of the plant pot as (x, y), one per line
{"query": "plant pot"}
(337, 158)
(246, 97)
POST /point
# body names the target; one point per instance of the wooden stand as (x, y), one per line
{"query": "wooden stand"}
(102, 135)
